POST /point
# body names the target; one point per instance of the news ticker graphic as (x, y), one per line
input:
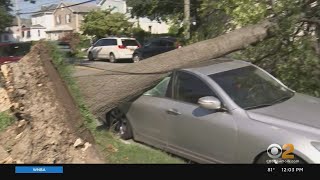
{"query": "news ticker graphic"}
(152, 170)
(39, 169)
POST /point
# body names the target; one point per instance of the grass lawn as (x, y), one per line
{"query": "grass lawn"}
(5, 120)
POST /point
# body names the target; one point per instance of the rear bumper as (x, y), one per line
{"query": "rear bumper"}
(123, 56)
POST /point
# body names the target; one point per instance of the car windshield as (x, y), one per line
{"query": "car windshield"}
(129, 42)
(251, 88)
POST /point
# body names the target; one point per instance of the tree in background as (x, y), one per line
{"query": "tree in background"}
(5, 16)
(101, 23)
(292, 54)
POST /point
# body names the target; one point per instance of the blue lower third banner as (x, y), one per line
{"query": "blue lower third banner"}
(39, 169)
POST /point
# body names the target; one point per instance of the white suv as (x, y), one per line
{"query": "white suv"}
(113, 48)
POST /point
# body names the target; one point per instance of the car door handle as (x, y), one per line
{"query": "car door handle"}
(173, 112)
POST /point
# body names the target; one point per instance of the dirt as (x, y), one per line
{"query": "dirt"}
(48, 121)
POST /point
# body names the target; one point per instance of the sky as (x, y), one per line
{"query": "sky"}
(26, 6)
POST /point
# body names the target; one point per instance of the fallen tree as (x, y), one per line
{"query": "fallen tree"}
(106, 90)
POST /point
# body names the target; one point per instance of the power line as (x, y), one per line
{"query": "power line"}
(33, 12)
(48, 3)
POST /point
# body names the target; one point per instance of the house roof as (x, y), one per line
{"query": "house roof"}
(38, 26)
(24, 21)
(46, 9)
(81, 8)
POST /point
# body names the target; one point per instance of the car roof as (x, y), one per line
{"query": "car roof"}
(214, 66)
(119, 38)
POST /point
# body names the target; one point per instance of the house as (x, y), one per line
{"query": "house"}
(146, 24)
(14, 32)
(68, 19)
(41, 22)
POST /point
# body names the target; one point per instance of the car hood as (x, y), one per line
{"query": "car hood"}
(300, 109)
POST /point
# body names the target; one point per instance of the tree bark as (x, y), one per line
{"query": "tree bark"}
(110, 88)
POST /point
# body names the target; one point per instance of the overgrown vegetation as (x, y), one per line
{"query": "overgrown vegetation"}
(6, 119)
(113, 149)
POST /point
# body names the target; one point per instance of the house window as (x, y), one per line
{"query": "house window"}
(68, 18)
(28, 34)
(150, 28)
(22, 34)
(58, 19)
(39, 34)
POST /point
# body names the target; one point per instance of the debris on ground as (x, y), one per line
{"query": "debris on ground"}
(48, 120)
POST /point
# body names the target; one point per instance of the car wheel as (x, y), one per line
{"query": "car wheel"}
(265, 159)
(90, 57)
(119, 124)
(112, 58)
(136, 58)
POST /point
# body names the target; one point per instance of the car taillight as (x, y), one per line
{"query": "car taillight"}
(122, 46)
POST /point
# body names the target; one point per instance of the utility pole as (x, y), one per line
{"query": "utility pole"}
(186, 23)
(17, 10)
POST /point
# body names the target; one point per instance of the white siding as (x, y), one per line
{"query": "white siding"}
(151, 26)
(145, 23)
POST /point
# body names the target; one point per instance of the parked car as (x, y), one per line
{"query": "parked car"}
(155, 47)
(228, 111)
(113, 48)
(13, 51)
(64, 47)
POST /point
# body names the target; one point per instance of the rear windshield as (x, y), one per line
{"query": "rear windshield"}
(19, 49)
(129, 42)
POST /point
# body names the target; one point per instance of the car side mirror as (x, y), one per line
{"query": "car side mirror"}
(210, 102)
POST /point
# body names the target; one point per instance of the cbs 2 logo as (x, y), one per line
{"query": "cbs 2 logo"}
(276, 151)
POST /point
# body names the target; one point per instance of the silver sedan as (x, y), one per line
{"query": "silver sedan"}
(227, 112)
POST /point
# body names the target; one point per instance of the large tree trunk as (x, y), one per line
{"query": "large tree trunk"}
(108, 89)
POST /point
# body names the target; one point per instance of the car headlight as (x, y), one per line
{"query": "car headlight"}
(316, 145)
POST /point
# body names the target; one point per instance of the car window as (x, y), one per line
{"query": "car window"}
(155, 43)
(250, 88)
(97, 44)
(129, 42)
(168, 43)
(189, 88)
(159, 90)
(109, 42)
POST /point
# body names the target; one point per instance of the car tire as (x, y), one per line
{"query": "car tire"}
(112, 58)
(90, 56)
(118, 123)
(263, 158)
(136, 58)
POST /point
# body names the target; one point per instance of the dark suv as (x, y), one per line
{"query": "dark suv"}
(13, 51)
(154, 47)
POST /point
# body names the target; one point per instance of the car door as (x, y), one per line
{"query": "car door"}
(96, 49)
(169, 45)
(202, 134)
(148, 116)
(151, 49)
(106, 48)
